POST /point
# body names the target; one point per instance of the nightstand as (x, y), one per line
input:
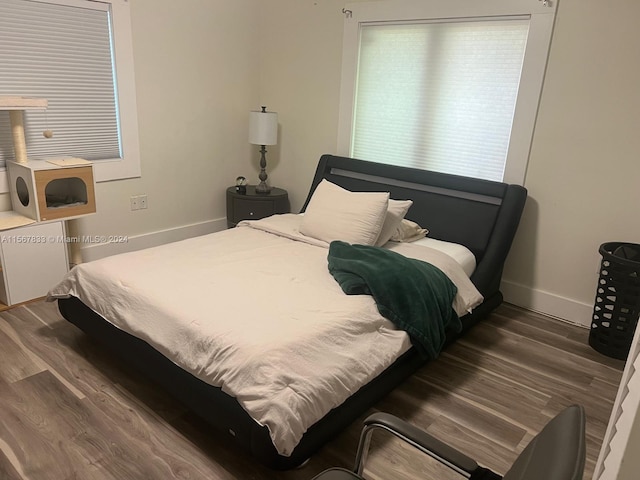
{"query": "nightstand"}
(253, 206)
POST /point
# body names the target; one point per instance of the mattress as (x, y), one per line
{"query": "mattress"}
(234, 310)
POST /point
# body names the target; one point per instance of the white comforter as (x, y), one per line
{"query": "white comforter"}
(253, 310)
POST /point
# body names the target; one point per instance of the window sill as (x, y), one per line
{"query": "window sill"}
(104, 171)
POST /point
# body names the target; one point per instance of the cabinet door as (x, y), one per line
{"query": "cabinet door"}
(34, 259)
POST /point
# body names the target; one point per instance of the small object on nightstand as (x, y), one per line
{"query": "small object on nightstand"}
(241, 185)
(253, 205)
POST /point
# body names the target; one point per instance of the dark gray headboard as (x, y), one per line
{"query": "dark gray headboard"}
(480, 214)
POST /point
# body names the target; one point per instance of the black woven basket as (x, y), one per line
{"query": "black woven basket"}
(617, 305)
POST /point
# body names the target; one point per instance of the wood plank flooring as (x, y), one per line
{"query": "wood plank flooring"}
(69, 410)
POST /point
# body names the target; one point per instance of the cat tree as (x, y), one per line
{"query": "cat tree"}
(39, 189)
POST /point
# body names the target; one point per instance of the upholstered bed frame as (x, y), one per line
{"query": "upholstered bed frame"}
(482, 215)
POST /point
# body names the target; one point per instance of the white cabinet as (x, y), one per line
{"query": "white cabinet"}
(34, 258)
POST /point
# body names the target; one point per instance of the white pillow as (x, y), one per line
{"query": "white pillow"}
(408, 231)
(395, 214)
(338, 214)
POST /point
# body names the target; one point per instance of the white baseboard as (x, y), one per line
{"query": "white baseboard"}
(566, 309)
(151, 239)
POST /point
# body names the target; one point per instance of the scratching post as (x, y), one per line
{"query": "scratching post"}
(17, 129)
(16, 107)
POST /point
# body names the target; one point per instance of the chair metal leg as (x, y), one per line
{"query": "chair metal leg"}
(363, 448)
(465, 466)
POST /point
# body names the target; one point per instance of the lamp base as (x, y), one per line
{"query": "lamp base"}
(263, 189)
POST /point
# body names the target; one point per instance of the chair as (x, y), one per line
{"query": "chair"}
(556, 453)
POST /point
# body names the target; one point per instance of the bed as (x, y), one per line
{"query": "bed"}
(480, 215)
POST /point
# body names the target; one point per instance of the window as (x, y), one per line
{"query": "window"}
(445, 86)
(77, 54)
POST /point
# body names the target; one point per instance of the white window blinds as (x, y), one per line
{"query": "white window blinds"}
(439, 95)
(63, 53)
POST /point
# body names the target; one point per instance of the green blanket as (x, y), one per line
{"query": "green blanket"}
(416, 296)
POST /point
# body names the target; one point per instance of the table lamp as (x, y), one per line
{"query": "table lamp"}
(263, 130)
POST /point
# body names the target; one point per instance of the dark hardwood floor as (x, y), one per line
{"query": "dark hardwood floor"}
(69, 410)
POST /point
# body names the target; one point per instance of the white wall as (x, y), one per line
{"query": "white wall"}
(301, 57)
(196, 79)
(583, 169)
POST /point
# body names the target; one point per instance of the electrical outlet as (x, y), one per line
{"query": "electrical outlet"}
(142, 202)
(135, 202)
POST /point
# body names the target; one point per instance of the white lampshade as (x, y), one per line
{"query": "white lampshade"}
(263, 128)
